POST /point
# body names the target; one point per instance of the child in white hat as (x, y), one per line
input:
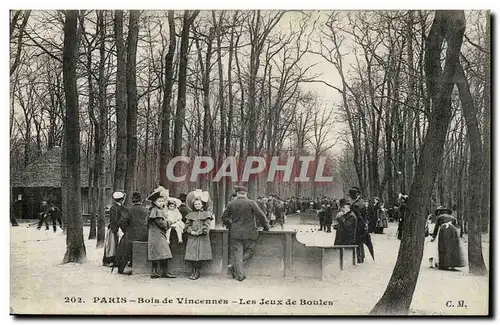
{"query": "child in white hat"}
(175, 219)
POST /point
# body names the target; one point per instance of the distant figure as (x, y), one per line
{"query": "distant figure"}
(328, 218)
(401, 214)
(240, 218)
(44, 216)
(381, 219)
(56, 216)
(322, 216)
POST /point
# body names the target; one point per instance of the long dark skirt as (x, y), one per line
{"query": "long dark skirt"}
(449, 248)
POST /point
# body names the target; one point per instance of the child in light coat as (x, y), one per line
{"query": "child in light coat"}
(175, 219)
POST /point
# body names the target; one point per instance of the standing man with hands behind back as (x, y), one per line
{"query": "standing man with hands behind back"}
(239, 218)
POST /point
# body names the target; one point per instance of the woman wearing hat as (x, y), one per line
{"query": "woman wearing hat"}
(158, 248)
(198, 221)
(449, 250)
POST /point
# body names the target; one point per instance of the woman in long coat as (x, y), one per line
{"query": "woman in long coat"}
(198, 246)
(449, 250)
(381, 219)
(158, 249)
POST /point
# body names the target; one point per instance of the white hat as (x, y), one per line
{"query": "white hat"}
(118, 195)
(175, 200)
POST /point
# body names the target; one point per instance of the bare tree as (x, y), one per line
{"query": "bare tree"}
(449, 26)
(132, 39)
(180, 113)
(165, 153)
(473, 208)
(121, 105)
(75, 250)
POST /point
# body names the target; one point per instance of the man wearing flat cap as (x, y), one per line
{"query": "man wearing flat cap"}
(134, 227)
(240, 218)
(115, 213)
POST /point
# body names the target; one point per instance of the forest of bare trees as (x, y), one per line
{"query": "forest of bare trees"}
(123, 92)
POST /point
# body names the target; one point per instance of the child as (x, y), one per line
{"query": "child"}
(158, 249)
(175, 219)
(198, 245)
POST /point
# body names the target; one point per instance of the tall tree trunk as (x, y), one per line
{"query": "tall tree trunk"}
(180, 113)
(411, 102)
(75, 246)
(230, 97)
(103, 127)
(486, 175)
(121, 106)
(220, 157)
(205, 68)
(165, 154)
(473, 206)
(132, 39)
(449, 26)
(94, 135)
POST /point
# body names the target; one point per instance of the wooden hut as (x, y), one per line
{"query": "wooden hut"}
(41, 181)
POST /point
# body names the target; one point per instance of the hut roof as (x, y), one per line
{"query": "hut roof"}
(45, 171)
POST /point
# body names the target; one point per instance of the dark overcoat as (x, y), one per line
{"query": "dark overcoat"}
(240, 217)
(198, 247)
(134, 227)
(346, 229)
(449, 248)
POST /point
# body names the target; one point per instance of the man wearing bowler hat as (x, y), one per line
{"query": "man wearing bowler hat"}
(239, 218)
(359, 208)
(183, 208)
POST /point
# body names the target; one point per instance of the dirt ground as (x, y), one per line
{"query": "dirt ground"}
(39, 284)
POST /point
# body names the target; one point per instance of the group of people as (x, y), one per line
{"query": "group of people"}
(274, 208)
(50, 214)
(189, 216)
(294, 205)
(352, 224)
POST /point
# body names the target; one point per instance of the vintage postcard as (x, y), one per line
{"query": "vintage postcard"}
(250, 162)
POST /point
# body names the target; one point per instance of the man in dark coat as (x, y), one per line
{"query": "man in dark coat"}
(111, 244)
(240, 218)
(346, 226)
(44, 216)
(359, 209)
(183, 208)
(321, 216)
(133, 223)
(374, 214)
(279, 211)
(401, 215)
(328, 218)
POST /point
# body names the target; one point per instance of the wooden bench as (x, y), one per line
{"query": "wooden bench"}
(334, 259)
